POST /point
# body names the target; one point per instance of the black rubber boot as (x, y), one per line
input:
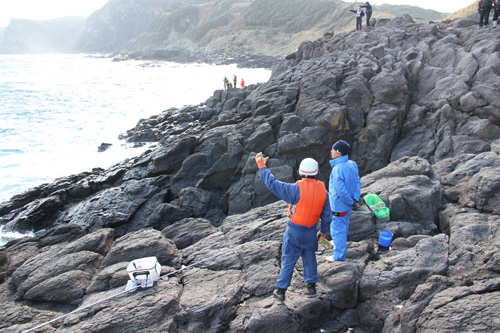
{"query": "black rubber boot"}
(311, 288)
(279, 293)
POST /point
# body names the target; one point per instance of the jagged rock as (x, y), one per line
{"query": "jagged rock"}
(19, 252)
(341, 282)
(188, 231)
(4, 263)
(37, 276)
(467, 228)
(210, 301)
(495, 146)
(415, 102)
(36, 214)
(382, 279)
(410, 189)
(157, 310)
(100, 212)
(44, 269)
(361, 224)
(103, 147)
(263, 315)
(143, 243)
(109, 278)
(68, 287)
(463, 303)
(482, 191)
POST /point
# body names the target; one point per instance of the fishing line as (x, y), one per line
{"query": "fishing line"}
(132, 289)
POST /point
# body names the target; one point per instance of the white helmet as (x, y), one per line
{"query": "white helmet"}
(308, 167)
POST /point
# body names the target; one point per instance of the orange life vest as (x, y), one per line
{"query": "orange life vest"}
(307, 211)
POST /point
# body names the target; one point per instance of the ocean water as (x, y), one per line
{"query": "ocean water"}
(55, 110)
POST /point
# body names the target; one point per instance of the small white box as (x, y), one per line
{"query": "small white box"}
(144, 271)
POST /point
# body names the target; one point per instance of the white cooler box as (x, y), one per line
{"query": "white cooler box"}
(144, 271)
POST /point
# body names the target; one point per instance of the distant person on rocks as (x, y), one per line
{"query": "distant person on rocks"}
(484, 12)
(359, 16)
(369, 11)
(496, 12)
(242, 83)
(344, 190)
(225, 83)
(308, 203)
(234, 80)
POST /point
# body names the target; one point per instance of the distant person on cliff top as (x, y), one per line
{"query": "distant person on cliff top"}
(484, 9)
(359, 16)
(496, 12)
(225, 83)
(234, 80)
(242, 83)
(369, 11)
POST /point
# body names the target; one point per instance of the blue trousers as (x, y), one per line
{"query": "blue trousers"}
(338, 230)
(290, 253)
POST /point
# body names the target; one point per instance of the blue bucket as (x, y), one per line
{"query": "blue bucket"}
(385, 238)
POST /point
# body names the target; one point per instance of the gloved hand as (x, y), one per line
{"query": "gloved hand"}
(261, 161)
(323, 241)
(355, 205)
(320, 234)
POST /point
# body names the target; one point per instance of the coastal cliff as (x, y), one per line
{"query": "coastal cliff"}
(419, 105)
(194, 30)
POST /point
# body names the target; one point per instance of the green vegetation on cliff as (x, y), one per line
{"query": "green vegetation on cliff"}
(268, 27)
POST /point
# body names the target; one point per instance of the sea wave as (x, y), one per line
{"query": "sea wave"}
(56, 110)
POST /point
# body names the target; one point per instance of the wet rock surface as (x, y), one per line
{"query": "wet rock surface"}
(418, 103)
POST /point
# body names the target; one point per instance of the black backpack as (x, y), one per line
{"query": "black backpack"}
(485, 3)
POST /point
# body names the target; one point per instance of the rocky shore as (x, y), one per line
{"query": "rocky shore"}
(216, 57)
(418, 102)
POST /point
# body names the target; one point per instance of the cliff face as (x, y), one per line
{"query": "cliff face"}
(26, 36)
(164, 28)
(419, 105)
(109, 28)
(260, 26)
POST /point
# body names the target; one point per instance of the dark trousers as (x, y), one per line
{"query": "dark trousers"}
(368, 16)
(495, 14)
(484, 14)
(358, 23)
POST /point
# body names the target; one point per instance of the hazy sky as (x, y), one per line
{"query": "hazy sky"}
(49, 9)
(46, 9)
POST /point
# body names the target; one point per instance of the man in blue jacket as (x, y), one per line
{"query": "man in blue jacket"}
(308, 203)
(344, 190)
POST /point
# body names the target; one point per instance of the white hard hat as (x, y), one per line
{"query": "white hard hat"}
(308, 167)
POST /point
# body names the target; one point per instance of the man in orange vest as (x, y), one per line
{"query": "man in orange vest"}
(308, 203)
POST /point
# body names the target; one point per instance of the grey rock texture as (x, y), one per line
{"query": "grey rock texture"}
(418, 102)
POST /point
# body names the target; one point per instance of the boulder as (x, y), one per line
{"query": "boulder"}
(4, 263)
(186, 232)
(482, 191)
(141, 244)
(462, 302)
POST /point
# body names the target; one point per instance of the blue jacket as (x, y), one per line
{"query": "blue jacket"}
(290, 193)
(345, 185)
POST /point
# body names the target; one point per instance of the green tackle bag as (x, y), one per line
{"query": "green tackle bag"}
(376, 205)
